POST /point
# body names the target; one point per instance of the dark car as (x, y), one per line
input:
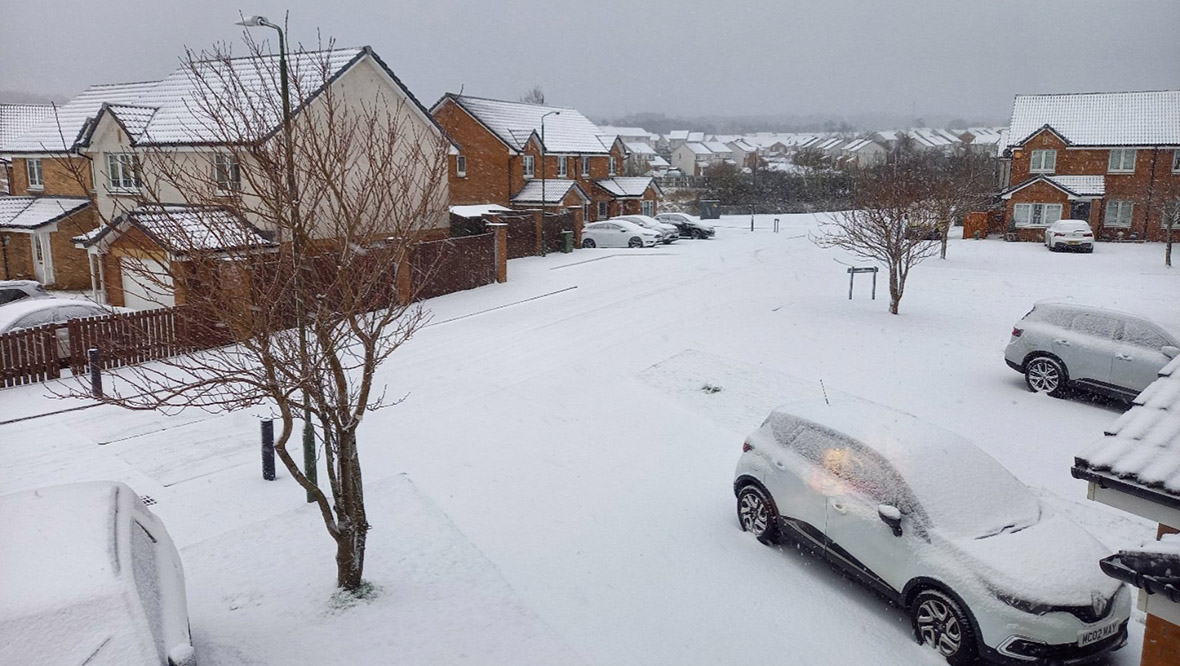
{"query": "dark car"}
(15, 290)
(689, 227)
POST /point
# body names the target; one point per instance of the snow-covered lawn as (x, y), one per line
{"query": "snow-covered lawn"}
(556, 487)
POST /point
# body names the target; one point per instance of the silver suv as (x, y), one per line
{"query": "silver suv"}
(1058, 346)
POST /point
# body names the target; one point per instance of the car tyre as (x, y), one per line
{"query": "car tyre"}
(588, 243)
(942, 624)
(757, 514)
(635, 242)
(1043, 374)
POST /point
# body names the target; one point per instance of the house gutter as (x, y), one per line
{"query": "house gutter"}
(1134, 489)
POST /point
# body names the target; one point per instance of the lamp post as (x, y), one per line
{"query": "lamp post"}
(544, 200)
(297, 240)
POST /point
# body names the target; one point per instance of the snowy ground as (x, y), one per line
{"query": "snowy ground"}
(556, 488)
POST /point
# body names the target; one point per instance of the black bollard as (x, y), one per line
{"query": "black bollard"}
(268, 450)
(95, 372)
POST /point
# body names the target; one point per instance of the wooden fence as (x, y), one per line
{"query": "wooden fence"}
(454, 264)
(30, 355)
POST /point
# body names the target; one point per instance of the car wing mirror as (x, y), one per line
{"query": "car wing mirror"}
(891, 516)
(1170, 351)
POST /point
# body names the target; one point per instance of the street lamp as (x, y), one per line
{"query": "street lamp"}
(297, 240)
(544, 201)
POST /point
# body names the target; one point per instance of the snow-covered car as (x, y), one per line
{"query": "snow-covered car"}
(1058, 346)
(689, 226)
(667, 232)
(30, 312)
(933, 523)
(617, 233)
(90, 576)
(15, 290)
(1069, 235)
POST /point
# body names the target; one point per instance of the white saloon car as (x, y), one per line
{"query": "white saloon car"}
(1069, 235)
(935, 524)
(617, 233)
(667, 232)
(90, 576)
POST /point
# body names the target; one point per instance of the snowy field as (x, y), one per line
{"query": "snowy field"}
(556, 487)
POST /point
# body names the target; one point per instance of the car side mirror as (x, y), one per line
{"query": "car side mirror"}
(891, 516)
(1170, 351)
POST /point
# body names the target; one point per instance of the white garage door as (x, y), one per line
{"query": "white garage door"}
(146, 284)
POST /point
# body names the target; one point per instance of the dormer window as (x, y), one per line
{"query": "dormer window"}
(1122, 160)
(527, 163)
(1043, 161)
(36, 181)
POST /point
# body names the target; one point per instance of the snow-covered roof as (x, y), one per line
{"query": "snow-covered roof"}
(184, 229)
(1142, 447)
(657, 161)
(626, 133)
(698, 148)
(15, 119)
(566, 130)
(479, 210)
(625, 186)
(743, 145)
(678, 135)
(860, 144)
(555, 190)
(718, 147)
(1075, 186)
(698, 137)
(168, 111)
(639, 148)
(1100, 119)
(35, 212)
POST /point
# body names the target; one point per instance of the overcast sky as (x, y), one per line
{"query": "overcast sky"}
(613, 57)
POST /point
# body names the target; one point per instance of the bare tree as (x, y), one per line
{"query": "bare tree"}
(893, 219)
(962, 183)
(1170, 210)
(536, 95)
(288, 251)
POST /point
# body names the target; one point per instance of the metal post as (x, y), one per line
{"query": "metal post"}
(268, 450)
(851, 277)
(776, 225)
(544, 200)
(751, 217)
(874, 283)
(95, 372)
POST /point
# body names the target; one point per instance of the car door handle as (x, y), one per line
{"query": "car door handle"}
(1124, 357)
(1063, 343)
(839, 508)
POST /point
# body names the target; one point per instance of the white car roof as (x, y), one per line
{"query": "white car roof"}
(10, 313)
(1072, 223)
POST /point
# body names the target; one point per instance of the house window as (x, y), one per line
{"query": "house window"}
(460, 165)
(649, 207)
(528, 166)
(1176, 161)
(122, 172)
(602, 213)
(1035, 214)
(34, 168)
(227, 173)
(1122, 160)
(612, 165)
(1043, 161)
(585, 166)
(562, 170)
(1118, 213)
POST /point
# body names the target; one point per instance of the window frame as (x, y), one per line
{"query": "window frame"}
(1035, 211)
(603, 209)
(585, 166)
(33, 164)
(226, 165)
(1042, 153)
(648, 207)
(1118, 206)
(562, 167)
(612, 167)
(1121, 154)
(461, 166)
(1176, 161)
(121, 163)
(529, 165)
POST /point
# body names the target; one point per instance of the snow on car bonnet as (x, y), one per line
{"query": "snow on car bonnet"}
(962, 490)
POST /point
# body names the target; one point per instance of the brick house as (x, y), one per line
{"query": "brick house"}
(133, 133)
(1112, 159)
(1135, 467)
(500, 151)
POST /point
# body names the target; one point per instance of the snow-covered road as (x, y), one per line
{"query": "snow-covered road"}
(559, 456)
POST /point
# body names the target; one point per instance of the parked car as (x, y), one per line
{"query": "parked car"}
(1058, 346)
(15, 290)
(933, 523)
(668, 233)
(30, 312)
(689, 227)
(1069, 235)
(89, 576)
(617, 233)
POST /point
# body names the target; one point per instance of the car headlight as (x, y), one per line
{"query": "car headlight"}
(1031, 607)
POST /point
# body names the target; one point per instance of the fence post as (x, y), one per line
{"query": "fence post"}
(751, 217)
(500, 229)
(776, 225)
(268, 449)
(95, 372)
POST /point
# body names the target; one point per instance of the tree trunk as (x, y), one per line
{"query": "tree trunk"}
(946, 232)
(350, 512)
(1168, 247)
(895, 289)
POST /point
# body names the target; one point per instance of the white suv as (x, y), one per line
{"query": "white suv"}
(1057, 346)
(937, 526)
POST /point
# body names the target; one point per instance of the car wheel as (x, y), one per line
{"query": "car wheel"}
(1045, 375)
(588, 243)
(940, 623)
(635, 242)
(757, 514)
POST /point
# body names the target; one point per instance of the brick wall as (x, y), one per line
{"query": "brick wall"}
(57, 174)
(489, 166)
(16, 259)
(71, 266)
(1161, 643)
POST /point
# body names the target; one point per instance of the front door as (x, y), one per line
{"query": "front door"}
(1080, 210)
(42, 257)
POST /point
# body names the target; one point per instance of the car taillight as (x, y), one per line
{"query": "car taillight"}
(746, 446)
(1087, 235)
(1016, 332)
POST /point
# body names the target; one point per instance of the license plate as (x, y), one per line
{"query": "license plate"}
(1075, 242)
(1094, 635)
